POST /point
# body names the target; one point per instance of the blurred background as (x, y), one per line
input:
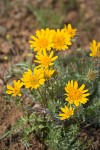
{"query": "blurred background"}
(19, 19)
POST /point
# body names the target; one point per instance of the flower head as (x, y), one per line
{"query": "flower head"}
(69, 30)
(61, 40)
(15, 90)
(42, 41)
(33, 80)
(66, 112)
(48, 73)
(95, 49)
(92, 75)
(45, 60)
(74, 94)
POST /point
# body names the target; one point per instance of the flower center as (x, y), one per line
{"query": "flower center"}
(71, 32)
(75, 94)
(46, 61)
(16, 90)
(92, 75)
(59, 41)
(43, 43)
(34, 80)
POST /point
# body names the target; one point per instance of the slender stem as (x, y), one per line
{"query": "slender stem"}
(40, 94)
(44, 103)
(45, 91)
(77, 121)
(52, 90)
(5, 135)
(57, 87)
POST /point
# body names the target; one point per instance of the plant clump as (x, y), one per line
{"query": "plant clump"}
(67, 95)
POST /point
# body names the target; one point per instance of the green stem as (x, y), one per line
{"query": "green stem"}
(52, 90)
(77, 122)
(45, 91)
(44, 103)
(57, 88)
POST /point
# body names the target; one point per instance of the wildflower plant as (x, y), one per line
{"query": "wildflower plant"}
(42, 40)
(61, 84)
(45, 60)
(76, 95)
(33, 80)
(15, 90)
(95, 49)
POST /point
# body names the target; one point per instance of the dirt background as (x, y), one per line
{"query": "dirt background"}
(19, 19)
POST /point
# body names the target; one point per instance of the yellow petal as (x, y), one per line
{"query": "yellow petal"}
(71, 83)
(9, 92)
(76, 103)
(75, 85)
(9, 87)
(82, 87)
(85, 95)
(84, 91)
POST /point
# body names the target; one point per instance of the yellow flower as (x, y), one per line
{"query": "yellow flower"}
(48, 73)
(66, 112)
(69, 30)
(74, 94)
(15, 90)
(31, 80)
(44, 59)
(42, 41)
(61, 40)
(95, 49)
